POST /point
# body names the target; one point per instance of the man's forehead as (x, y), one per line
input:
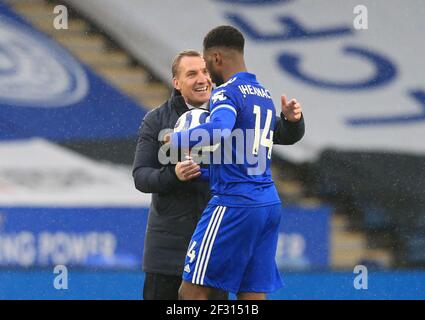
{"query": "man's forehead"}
(192, 63)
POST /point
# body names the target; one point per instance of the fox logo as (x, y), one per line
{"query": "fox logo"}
(218, 96)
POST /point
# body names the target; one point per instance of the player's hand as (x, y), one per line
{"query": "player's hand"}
(292, 109)
(187, 170)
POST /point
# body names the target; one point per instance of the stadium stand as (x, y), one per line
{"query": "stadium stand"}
(130, 75)
(344, 208)
(386, 198)
(377, 222)
(104, 56)
(351, 243)
(97, 50)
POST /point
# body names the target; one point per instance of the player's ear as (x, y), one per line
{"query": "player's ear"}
(218, 58)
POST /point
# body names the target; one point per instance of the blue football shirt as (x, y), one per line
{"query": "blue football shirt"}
(240, 172)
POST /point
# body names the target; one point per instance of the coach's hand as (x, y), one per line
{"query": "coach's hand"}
(291, 110)
(167, 138)
(187, 170)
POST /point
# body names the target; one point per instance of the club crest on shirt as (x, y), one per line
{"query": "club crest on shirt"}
(219, 96)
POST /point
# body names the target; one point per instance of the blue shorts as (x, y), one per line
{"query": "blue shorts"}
(234, 249)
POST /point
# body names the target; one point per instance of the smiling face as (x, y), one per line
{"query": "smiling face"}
(193, 80)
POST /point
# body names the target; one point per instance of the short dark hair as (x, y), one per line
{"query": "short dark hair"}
(224, 36)
(179, 56)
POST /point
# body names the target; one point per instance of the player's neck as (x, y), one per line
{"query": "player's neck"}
(232, 69)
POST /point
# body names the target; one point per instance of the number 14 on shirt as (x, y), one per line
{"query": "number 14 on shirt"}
(260, 136)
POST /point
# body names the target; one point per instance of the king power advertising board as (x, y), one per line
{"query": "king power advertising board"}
(60, 208)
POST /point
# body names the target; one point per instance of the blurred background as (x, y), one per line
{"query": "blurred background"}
(72, 99)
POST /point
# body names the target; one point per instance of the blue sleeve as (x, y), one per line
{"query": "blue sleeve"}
(222, 121)
(227, 97)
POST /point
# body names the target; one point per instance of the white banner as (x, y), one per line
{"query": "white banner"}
(39, 173)
(355, 69)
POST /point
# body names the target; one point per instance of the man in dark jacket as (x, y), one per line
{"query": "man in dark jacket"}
(179, 196)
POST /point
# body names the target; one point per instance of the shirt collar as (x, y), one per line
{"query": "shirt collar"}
(245, 75)
(204, 106)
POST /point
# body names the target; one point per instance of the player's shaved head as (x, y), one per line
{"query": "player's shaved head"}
(223, 53)
(224, 37)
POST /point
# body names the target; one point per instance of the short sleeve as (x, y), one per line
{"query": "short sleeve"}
(224, 98)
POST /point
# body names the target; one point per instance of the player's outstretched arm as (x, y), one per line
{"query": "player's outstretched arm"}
(220, 126)
(290, 126)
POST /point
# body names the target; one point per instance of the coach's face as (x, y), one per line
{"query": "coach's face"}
(193, 81)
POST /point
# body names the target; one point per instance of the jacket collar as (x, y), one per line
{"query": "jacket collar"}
(178, 102)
